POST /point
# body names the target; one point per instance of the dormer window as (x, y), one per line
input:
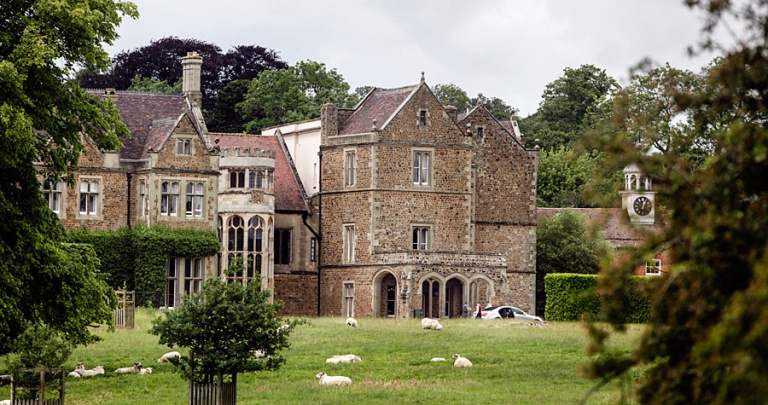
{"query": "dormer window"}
(423, 118)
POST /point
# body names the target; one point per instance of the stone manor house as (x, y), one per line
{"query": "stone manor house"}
(396, 205)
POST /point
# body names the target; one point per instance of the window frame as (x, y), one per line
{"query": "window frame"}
(350, 167)
(656, 265)
(422, 176)
(184, 146)
(54, 196)
(194, 200)
(423, 118)
(93, 199)
(169, 198)
(421, 237)
(283, 246)
(349, 242)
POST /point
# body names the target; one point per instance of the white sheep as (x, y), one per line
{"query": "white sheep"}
(147, 370)
(135, 369)
(5, 402)
(283, 328)
(333, 380)
(428, 323)
(352, 322)
(168, 356)
(92, 372)
(344, 358)
(461, 361)
(259, 354)
(438, 359)
(74, 374)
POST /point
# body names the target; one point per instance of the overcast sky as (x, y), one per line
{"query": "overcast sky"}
(509, 49)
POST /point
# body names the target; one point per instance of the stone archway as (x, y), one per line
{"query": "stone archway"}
(480, 291)
(385, 295)
(454, 298)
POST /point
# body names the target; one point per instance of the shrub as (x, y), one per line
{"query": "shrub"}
(573, 296)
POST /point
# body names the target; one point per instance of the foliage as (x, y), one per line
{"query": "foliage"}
(363, 91)
(570, 105)
(573, 296)
(222, 325)
(566, 244)
(39, 346)
(115, 252)
(161, 61)
(295, 94)
(709, 316)
(564, 174)
(223, 117)
(42, 120)
(153, 245)
(147, 84)
(451, 94)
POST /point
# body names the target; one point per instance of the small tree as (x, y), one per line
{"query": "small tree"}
(223, 325)
(565, 244)
(40, 346)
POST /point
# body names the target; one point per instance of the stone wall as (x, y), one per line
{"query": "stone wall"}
(298, 292)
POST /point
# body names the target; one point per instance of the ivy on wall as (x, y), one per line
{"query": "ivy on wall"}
(138, 257)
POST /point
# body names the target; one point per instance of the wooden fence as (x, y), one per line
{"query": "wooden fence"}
(209, 389)
(126, 309)
(50, 379)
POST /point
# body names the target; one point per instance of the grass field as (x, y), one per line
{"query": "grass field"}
(513, 364)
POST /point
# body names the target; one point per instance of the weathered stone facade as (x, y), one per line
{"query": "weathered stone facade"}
(418, 210)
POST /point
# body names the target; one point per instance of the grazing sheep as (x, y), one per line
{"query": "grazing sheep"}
(135, 369)
(259, 354)
(461, 361)
(333, 380)
(147, 370)
(428, 323)
(344, 358)
(283, 328)
(168, 356)
(352, 322)
(438, 359)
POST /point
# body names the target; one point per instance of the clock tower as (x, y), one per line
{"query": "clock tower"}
(638, 197)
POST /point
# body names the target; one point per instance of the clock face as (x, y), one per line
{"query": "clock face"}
(642, 205)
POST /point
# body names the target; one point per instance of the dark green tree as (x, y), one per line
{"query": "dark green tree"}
(706, 338)
(570, 105)
(224, 324)
(497, 107)
(293, 94)
(566, 244)
(451, 94)
(43, 117)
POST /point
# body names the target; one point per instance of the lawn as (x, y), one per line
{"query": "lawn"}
(513, 364)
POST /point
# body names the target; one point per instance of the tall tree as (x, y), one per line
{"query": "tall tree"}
(570, 105)
(42, 119)
(706, 339)
(294, 94)
(451, 94)
(564, 175)
(566, 244)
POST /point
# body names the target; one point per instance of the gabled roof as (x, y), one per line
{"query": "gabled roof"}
(147, 116)
(613, 221)
(288, 189)
(381, 105)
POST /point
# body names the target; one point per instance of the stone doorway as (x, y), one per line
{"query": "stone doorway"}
(385, 296)
(430, 298)
(454, 298)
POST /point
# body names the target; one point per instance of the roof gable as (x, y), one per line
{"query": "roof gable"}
(379, 104)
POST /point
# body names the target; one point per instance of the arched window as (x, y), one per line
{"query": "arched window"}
(236, 233)
(255, 234)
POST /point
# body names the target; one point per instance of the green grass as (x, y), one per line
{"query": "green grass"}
(512, 364)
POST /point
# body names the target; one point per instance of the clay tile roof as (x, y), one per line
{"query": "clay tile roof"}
(288, 191)
(613, 222)
(380, 105)
(139, 111)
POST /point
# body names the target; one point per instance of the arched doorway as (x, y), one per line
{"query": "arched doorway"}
(454, 298)
(480, 291)
(430, 298)
(385, 296)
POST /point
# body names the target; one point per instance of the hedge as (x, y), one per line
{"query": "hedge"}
(573, 296)
(138, 257)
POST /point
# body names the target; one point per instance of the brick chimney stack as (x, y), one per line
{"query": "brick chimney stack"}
(192, 65)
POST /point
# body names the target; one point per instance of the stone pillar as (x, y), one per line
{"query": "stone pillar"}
(329, 122)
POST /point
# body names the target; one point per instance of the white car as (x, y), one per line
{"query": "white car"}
(507, 312)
